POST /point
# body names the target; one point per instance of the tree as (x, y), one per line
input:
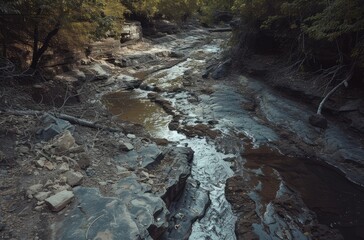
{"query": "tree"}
(38, 22)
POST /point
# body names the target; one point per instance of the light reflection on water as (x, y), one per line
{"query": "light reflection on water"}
(133, 106)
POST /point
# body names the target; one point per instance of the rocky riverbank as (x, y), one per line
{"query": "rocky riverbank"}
(175, 148)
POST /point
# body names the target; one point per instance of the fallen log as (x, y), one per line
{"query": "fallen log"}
(71, 119)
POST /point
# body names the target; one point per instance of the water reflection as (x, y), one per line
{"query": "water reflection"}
(133, 106)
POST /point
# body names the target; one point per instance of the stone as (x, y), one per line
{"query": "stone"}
(23, 149)
(131, 136)
(40, 162)
(64, 142)
(74, 178)
(32, 190)
(131, 31)
(222, 70)
(61, 187)
(103, 183)
(175, 54)
(126, 147)
(53, 127)
(64, 167)
(41, 196)
(60, 200)
(143, 157)
(49, 165)
(84, 161)
(317, 120)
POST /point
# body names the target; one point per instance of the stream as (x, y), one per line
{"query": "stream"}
(247, 145)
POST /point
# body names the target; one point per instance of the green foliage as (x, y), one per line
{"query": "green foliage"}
(338, 21)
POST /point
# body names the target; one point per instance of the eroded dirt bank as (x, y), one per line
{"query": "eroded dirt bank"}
(191, 156)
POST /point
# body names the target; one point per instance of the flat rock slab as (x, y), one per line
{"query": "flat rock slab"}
(60, 200)
(131, 213)
(141, 157)
(191, 206)
(95, 217)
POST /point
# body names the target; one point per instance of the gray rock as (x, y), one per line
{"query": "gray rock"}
(131, 136)
(222, 70)
(23, 149)
(100, 71)
(41, 196)
(64, 167)
(64, 142)
(131, 31)
(182, 216)
(130, 214)
(74, 178)
(40, 163)
(60, 200)
(84, 161)
(126, 147)
(175, 54)
(142, 157)
(32, 190)
(53, 126)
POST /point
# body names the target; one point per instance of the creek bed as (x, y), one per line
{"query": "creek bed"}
(208, 167)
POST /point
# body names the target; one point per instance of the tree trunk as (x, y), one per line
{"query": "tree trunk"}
(38, 52)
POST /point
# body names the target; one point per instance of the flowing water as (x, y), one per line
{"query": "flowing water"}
(336, 201)
(208, 167)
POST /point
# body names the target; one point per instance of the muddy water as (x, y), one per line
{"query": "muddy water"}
(335, 200)
(135, 107)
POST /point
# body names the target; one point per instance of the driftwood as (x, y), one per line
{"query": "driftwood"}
(71, 119)
(344, 82)
(220, 29)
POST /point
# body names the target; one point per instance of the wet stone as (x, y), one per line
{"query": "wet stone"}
(191, 206)
(142, 157)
